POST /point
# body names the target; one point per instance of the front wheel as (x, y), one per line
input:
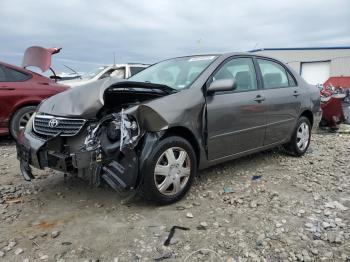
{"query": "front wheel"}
(169, 173)
(20, 119)
(300, 140)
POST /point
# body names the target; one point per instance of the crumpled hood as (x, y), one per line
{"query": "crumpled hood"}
(82, 101)
(87, 100)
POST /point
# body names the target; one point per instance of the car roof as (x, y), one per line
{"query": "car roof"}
(17, 68)
(226, 55)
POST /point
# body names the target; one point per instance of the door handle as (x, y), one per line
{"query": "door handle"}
(296, 93)
(259, 98)
(6, 88)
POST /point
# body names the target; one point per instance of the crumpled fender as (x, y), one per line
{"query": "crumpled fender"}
(149, 119)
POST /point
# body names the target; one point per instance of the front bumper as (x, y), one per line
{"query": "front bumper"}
(120, 172)
(33, 150)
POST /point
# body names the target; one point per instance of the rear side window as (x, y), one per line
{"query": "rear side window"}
(2, 74)
(274, 75)
(134, 70)
(15, 75)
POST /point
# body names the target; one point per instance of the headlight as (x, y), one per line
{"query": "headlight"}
(113, 131)
(123, 127)
(29, 125)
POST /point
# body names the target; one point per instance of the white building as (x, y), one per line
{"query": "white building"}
(317, 65)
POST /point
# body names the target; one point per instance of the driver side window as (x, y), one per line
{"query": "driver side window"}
(241, 70)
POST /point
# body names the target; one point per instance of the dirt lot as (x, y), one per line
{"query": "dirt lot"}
(298, 210)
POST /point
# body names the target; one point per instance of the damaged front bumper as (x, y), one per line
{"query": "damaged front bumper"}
(96, 153)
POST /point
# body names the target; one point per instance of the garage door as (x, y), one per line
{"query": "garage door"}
(315, 72)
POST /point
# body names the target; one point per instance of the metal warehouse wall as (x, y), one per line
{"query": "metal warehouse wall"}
(340, 58)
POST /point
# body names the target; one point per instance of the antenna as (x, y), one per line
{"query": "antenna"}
(114, 58)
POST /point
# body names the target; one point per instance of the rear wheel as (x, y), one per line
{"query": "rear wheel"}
(20, 119)
(170, 171)
(300, 140)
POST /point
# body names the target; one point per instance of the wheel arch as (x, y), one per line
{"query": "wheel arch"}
(23, 104)
(187, 134)
(309, 115)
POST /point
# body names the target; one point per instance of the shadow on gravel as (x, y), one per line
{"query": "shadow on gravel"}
(7, 141)
(76, 188)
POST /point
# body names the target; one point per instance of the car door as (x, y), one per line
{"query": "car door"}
(5, 90)
(10, 90)
(283, 98)
(236, 119)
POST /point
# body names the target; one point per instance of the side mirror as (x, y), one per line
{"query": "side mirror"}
(222, 85)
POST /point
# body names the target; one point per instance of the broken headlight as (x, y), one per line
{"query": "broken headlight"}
(113, 131)
(123, 128)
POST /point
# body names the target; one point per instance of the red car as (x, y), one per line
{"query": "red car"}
(21, 90)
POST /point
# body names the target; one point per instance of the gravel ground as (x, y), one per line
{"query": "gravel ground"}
(265, 207)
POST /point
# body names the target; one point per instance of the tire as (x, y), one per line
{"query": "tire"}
(20, 119)
(173, 179)
(302, 131)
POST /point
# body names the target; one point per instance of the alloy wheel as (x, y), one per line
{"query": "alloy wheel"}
(172, 171)
(303, 136)
(24, 120)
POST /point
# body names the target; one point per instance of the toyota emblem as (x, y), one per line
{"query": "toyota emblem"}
(53, 123)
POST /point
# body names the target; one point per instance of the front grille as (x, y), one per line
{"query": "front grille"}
(64, 126)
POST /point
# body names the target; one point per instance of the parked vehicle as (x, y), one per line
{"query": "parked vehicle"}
(152, 132)
(21, 90)
(120, 71)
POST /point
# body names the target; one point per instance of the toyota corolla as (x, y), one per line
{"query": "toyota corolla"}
(154, 131)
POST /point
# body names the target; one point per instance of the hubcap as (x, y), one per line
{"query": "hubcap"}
(303, 136)
(172, 171)
(24, 120)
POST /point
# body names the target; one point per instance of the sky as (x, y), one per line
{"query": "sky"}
(147, 31)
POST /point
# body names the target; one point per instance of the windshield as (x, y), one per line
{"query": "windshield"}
(177, 73)
(93, 73)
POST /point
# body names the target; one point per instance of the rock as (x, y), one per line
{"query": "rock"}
(189, 215)
(202, 226)
(336, 204)
(55, 234)
(27, 260)
(314, 251)
(44, 257)
(18, 251)
(326, 225)
(253, 204)
(306, 256)
(278, 225)
(260, 239)
(2, 253)
(216, 225)
(10, 245)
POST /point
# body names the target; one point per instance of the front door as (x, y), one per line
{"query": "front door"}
(236, 120)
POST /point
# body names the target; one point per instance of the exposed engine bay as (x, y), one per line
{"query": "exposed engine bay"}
(106, 147)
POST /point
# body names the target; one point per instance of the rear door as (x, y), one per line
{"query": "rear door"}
(236, 120)
(283, 98)
(10, 91)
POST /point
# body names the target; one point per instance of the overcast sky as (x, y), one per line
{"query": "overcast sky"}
(148, 31)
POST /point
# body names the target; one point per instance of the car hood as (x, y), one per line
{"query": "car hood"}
(39, 57)
(87, 100)
(76, 82)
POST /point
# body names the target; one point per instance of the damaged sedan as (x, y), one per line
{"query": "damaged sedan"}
(154, 131)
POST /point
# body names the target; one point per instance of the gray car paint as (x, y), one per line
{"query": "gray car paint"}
(253, 126)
